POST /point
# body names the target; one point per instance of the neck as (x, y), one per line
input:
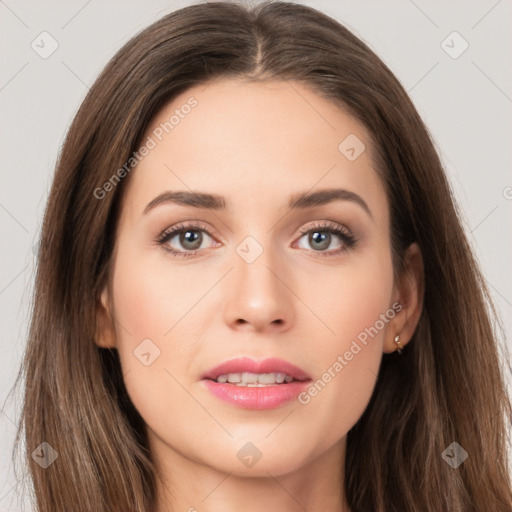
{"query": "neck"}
(185, 485)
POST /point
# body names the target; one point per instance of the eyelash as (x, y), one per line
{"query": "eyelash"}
(343, 233)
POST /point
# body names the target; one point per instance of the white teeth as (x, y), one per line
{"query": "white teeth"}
(266, 378)
(233, 378)
(251, 380)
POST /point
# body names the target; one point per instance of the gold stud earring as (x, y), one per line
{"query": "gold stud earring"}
(397, 341)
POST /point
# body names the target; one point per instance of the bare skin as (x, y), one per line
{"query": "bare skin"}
(255, 144)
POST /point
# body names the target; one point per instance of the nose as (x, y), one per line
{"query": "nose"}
(259, 299)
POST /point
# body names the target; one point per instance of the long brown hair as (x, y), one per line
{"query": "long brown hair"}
(447, 386)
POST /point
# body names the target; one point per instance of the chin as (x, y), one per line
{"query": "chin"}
(256, 460)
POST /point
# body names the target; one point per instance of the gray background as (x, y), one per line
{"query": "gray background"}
(465, 101)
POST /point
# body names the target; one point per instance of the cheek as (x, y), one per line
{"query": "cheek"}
(151, 295)
(350, 299)
(152, 307)
(359, 299)
(358, 312)
(145, 302)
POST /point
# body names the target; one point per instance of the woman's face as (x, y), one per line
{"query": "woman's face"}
(259, 273)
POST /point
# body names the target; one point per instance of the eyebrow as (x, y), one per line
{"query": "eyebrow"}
(301, 200)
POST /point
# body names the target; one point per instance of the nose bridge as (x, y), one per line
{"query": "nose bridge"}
(257, 292)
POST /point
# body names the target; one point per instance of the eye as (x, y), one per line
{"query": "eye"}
(188, 237)
(321, 237)
(187, 240)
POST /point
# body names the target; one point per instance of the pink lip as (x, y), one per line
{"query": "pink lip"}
(268, 397)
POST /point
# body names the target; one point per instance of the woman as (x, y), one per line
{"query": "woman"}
(254, 291)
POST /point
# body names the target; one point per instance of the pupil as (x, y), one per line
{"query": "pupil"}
(323, 238)
(189, 237)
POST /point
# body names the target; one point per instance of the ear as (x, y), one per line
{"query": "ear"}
(105, 335)
(408, 292)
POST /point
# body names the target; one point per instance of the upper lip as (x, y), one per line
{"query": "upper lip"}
(246, 364)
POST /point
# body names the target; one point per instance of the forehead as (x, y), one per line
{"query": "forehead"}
(241, 139)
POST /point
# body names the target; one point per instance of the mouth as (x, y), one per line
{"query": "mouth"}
(255, 380)
(250, 384)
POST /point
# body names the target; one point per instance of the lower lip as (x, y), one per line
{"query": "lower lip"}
(265, 397)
